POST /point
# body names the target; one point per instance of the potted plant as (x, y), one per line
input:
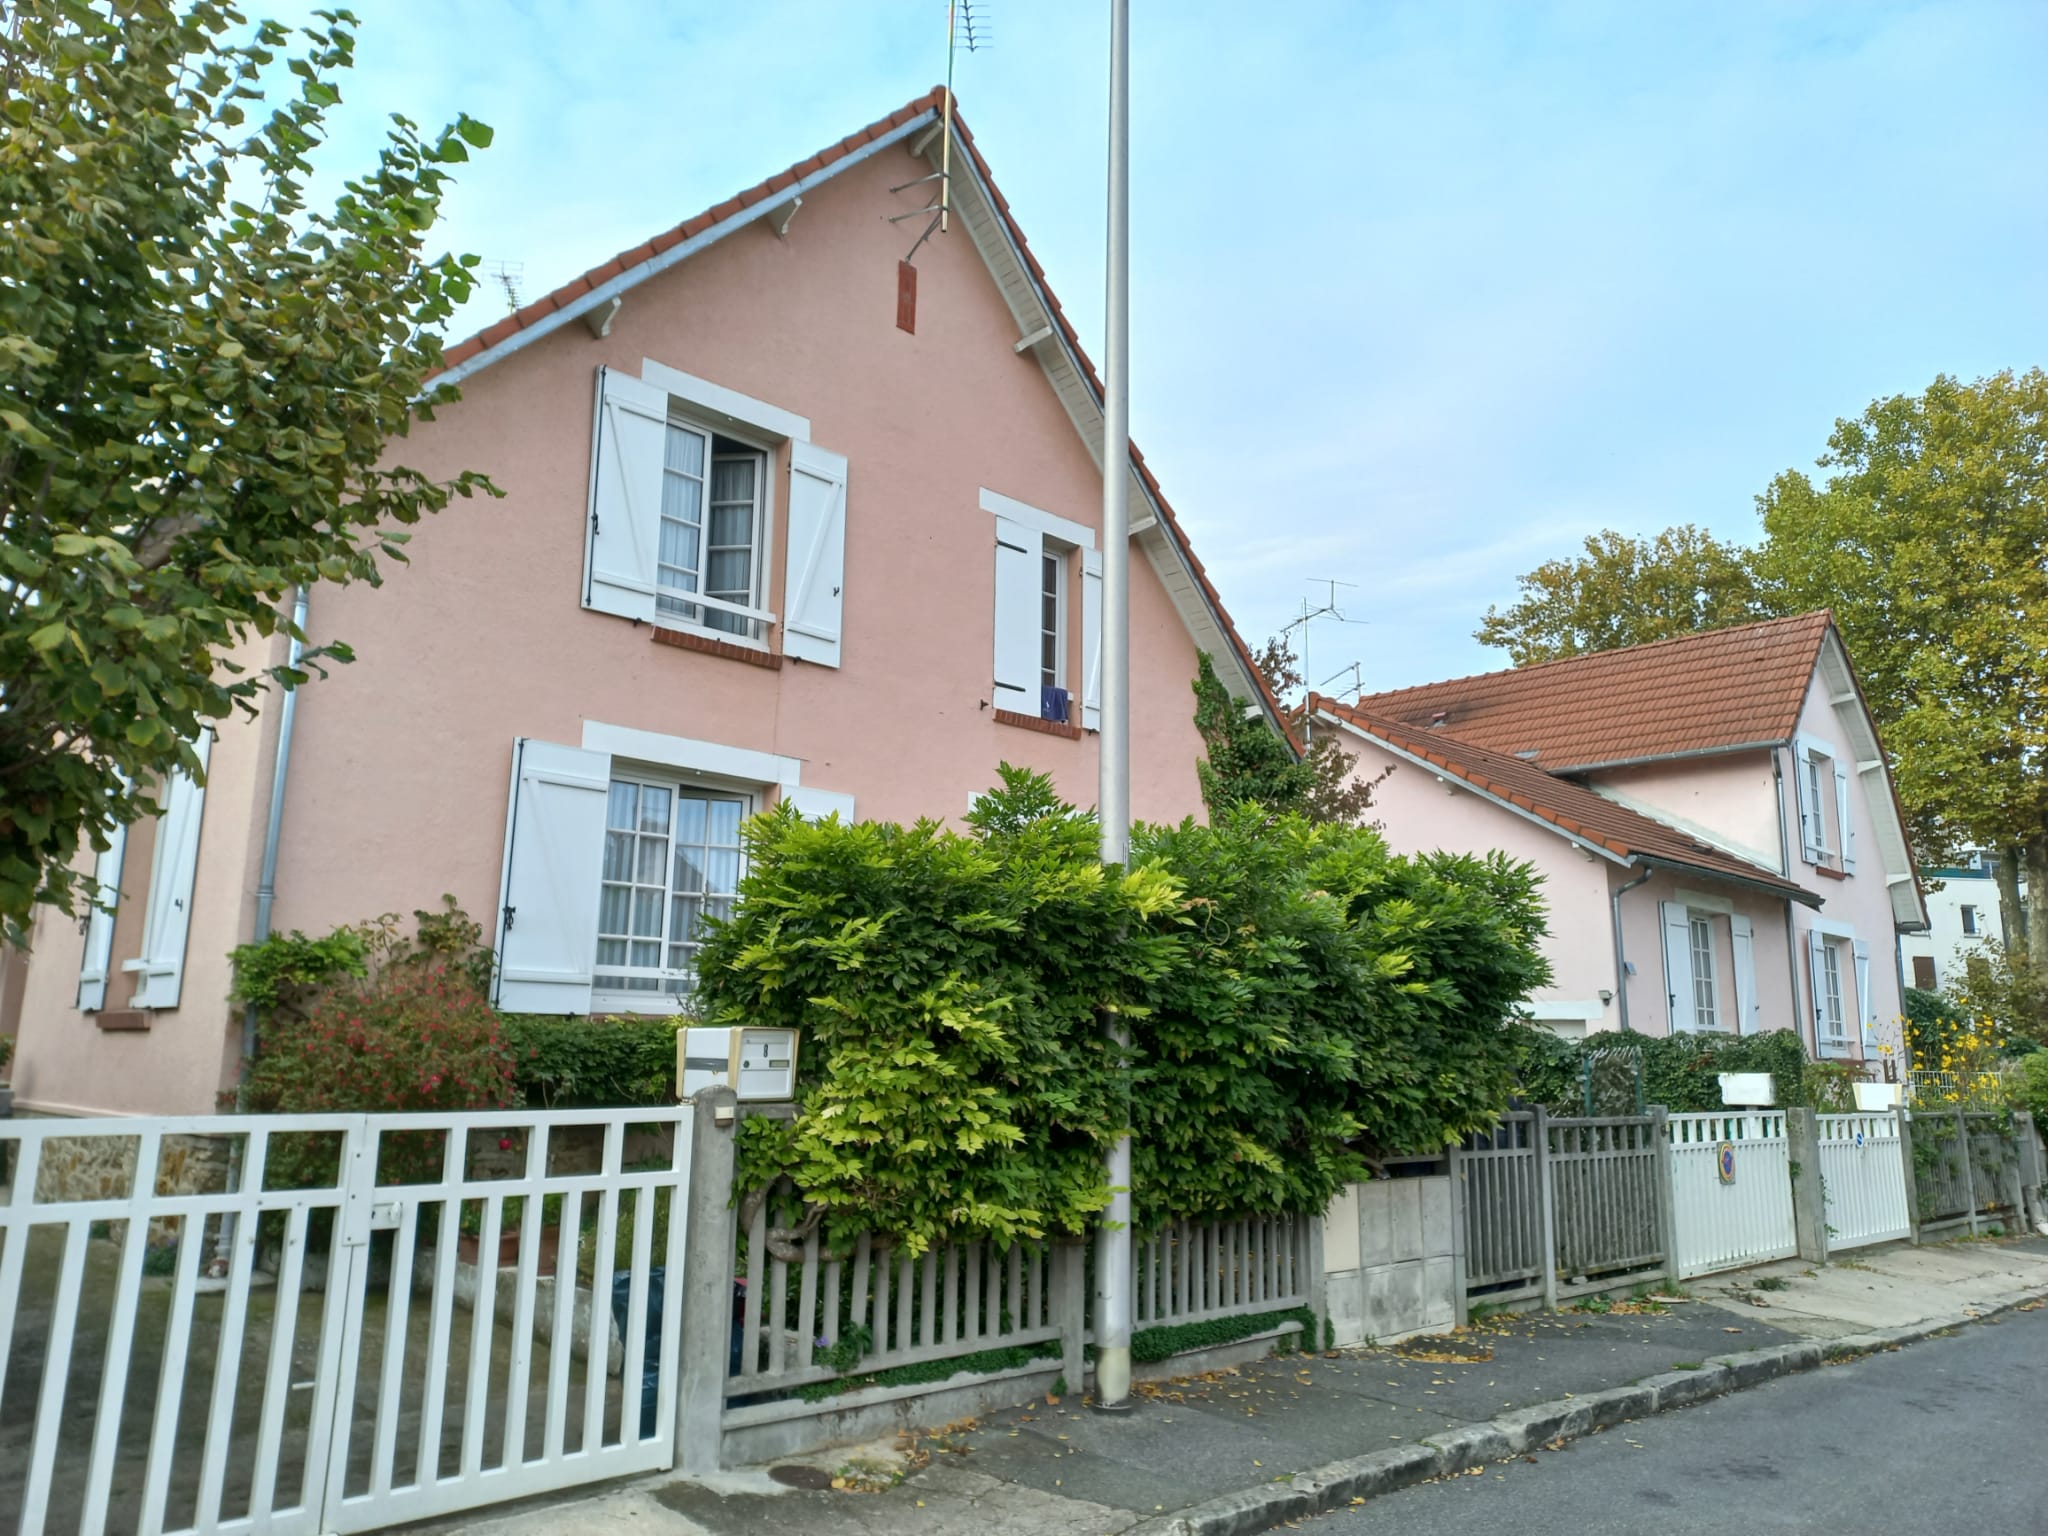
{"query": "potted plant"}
(469, 1237)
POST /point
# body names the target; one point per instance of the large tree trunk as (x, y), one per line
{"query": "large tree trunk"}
(2007, 875)
(2037, 902)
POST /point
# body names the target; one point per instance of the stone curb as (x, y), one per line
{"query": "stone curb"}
(1327, 1488)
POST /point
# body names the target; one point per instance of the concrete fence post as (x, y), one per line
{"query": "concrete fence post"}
(1316, 1272)
(1909, 1171)
(1070, 1310)
(1809, 1197)
(2031, 1176)
(1667, 1193)
(1461, 1298)
(1969, 1166)
(707, 1283)
(1546, 1192)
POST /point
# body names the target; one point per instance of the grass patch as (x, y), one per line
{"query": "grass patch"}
(1771, 1283)
(1688, 1365)
(1150, 1345)
(924, 1372)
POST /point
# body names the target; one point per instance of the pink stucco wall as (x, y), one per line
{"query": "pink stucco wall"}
(1419, 812)
(1642, 936)
(64, 1063)
(401, 761)
(1732, 798)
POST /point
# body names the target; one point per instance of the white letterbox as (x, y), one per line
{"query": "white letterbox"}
(757, 1064)
(1747, 1089)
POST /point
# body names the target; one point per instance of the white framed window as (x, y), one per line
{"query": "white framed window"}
(1052, 619)
(671, 859)
(1705, 1012)
(712, 522)
(1813, 818)
(1827, 827)
(1969, 920)
(1833, 1026)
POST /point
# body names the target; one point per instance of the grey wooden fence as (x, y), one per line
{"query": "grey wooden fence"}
(1966, 1169)
(1197, 1270)
(1559, 1207)
(1499, 1176)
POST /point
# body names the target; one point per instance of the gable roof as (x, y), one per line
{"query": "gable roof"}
(1068, 365)
(1722, 690)
(1614, 831)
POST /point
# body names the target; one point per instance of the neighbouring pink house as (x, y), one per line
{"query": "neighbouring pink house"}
(1721, 843)
(786, 519)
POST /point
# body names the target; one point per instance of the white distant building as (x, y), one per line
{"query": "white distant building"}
(1963, 919)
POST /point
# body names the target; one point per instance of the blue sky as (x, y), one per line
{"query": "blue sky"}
(1422, 293)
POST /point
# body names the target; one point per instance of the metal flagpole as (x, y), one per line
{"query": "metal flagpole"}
(1113, 801)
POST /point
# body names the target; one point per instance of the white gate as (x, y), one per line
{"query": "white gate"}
(1731, 1178)
(1863, 1175)
(346, 1354)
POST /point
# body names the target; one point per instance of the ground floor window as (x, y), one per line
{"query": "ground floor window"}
(671, 859)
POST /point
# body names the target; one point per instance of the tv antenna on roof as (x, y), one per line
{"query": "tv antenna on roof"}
(1329, 609)
(508, 275)
(966, 26)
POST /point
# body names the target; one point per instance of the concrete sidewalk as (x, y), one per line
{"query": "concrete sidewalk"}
(1242, 1450)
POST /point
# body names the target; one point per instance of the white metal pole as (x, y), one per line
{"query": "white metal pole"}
(1113, 801)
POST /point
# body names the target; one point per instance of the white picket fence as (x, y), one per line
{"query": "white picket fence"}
(331, 1379)
(1737, 1214)
(1863, 1175)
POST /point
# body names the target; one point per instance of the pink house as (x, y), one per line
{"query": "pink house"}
(787, 518)
(1720, 840)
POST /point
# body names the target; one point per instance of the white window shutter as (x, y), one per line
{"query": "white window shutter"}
(1018, 579)
(817, 554)
(1812, 845)
(1744, 941)
(554, 863)
(1848, 828)
(1678, 963)
(623, 531)
(1091, 639)
(99, 922)
(168, 917)
(817, 804)
(1864, 1011)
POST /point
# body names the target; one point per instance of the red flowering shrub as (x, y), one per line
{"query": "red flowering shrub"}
(416, 1037)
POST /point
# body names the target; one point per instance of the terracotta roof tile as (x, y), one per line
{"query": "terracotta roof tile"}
(462, 351)
(1568, 806)
(1714, 691)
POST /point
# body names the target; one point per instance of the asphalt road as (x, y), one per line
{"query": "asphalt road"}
(1946, 1435)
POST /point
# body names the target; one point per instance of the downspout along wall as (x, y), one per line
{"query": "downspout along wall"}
(1620, 954)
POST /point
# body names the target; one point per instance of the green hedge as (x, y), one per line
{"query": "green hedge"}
(1294, 994)
(1680, 1072)
(577, 1063)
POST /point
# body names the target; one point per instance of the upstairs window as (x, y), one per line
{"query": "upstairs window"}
(710, 531)
(1970, 920)
(1052, 622)
(1037, 559)
(1827, 828)
(1705, 1013)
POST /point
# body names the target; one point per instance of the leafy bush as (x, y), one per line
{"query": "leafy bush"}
(569, 1063)
(1294, 994)
(415, 1037)
(1680, 1072)
(2027, 1087)
(286, 965)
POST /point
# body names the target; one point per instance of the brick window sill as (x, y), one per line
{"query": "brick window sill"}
(122, 1019)
(687, 640)
(1044, 727)
(1829, 872)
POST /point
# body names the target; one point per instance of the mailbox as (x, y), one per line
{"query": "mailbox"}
(759, 1065)
(1748, 1089)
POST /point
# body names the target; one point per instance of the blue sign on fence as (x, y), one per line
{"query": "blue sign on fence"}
(1724, 1161)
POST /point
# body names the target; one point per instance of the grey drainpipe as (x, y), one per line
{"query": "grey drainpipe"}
(1620, 957)
(266, 896)
(266, 886)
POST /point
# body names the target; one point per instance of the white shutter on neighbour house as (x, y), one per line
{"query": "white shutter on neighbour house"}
(812, 601)
(1842, 821)
(1018, 579)
(1812, 839)
(1816, 965)
(554, 861)
(99, 922)
(623, 531)
(1091, 639)
(1745, 975)
(1678, 963)
(168, 917)
(1866, 1013)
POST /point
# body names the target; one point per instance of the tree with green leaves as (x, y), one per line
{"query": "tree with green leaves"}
(1246, 760)
(201, 378)
(1624, 591)
(1929, 540)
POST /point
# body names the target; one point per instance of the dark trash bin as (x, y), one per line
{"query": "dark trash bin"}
(650, 1354)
